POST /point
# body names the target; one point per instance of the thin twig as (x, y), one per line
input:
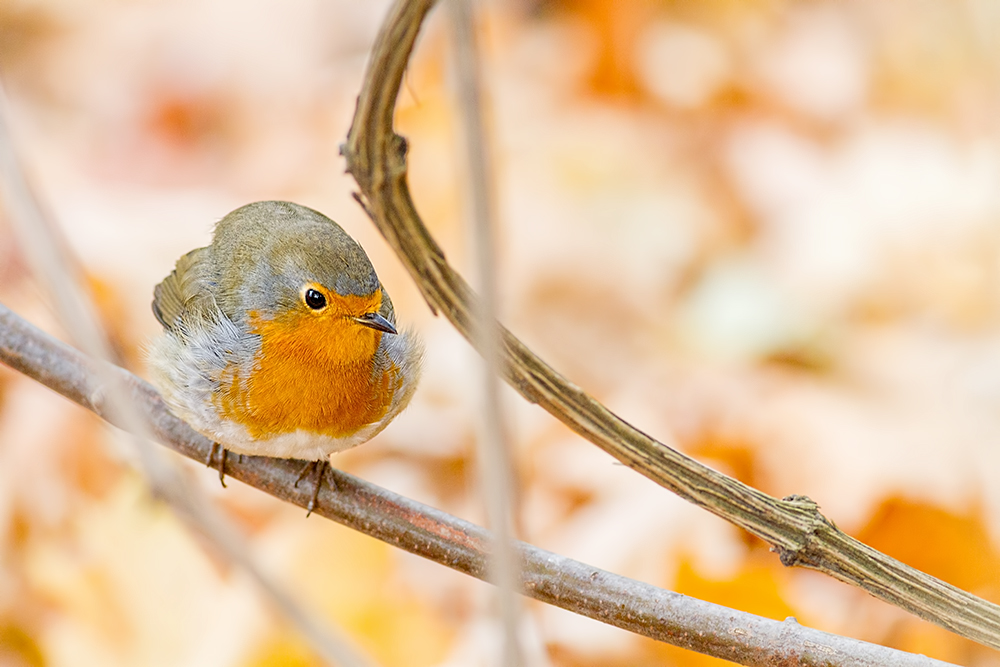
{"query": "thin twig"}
(54, 266)
(631, 605)
(496, 470)
(798, 532)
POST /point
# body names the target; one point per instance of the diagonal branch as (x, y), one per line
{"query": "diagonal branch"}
(631, 605)
(799, 533)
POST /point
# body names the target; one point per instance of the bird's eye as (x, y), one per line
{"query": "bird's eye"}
(315, 299)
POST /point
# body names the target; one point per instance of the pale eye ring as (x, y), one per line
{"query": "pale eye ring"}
(315, 299)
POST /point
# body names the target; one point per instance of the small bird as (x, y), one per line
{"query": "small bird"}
(279, 340)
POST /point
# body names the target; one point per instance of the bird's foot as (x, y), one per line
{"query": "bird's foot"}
(222, 461)
(320, 467)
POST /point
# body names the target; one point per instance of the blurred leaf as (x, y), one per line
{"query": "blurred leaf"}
(616, 26)
(283, 651)
(353, 578)
(952, 547)
(737, 458)
(18, 648)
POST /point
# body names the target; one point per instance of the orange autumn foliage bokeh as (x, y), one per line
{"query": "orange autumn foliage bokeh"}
(763, 232)
(909, 531)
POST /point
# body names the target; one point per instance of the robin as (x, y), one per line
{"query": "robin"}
(279, 340)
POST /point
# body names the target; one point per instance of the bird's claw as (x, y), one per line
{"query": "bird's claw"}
(222, 461)
(313, 465)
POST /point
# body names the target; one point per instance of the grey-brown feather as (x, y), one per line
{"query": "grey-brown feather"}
(186, 289)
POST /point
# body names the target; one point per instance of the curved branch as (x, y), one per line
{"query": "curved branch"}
(663, 615)
(801, 535)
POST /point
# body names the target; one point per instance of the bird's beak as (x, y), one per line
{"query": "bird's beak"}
(375, 321)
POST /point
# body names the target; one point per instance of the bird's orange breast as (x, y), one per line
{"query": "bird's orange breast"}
(312, 373)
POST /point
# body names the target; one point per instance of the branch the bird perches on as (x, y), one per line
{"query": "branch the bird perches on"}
(632, 605)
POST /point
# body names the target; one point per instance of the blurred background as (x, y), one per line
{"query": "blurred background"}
(765, 232)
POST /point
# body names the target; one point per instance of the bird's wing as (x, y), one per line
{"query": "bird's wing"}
(186, 291)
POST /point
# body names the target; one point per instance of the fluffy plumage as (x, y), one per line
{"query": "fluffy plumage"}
(249, 363)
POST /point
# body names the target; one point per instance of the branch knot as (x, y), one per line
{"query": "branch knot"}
(813, 522)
